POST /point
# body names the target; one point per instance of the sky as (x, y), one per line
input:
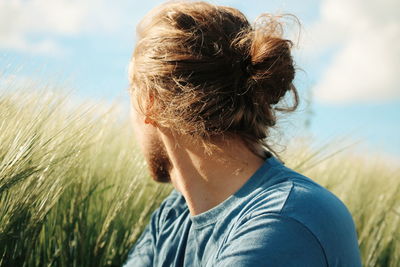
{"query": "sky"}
(347, 57)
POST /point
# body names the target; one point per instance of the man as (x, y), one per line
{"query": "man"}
(206, 86)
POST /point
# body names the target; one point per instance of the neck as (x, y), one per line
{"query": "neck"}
(207, 180)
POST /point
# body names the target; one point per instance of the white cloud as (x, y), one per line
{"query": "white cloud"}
(366, 67)
(20, 20)
(19, 43)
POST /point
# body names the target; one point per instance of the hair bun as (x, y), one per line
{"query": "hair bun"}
(272, 64)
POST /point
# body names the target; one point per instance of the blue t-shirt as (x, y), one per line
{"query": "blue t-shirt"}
(277, 218)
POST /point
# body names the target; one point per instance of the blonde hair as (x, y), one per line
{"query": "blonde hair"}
(208, 72)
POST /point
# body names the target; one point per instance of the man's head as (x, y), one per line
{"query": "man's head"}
(204, 71)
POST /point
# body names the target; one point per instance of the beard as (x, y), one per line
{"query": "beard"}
(158, 162)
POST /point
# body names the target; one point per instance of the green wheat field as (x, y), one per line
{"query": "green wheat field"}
(74, 190)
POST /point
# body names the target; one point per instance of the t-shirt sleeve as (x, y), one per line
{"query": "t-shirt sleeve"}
(271, 240)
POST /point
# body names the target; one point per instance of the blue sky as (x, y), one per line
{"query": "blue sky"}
(348, 56)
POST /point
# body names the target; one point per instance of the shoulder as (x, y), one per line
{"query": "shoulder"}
(284, 191)
(292, 212)
(291, 194)
(318, 209)
(271, 239)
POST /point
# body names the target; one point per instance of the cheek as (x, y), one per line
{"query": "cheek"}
(146, 137)
(138, 127)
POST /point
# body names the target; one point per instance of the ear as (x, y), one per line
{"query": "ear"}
(147, 120)
(149, 111)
